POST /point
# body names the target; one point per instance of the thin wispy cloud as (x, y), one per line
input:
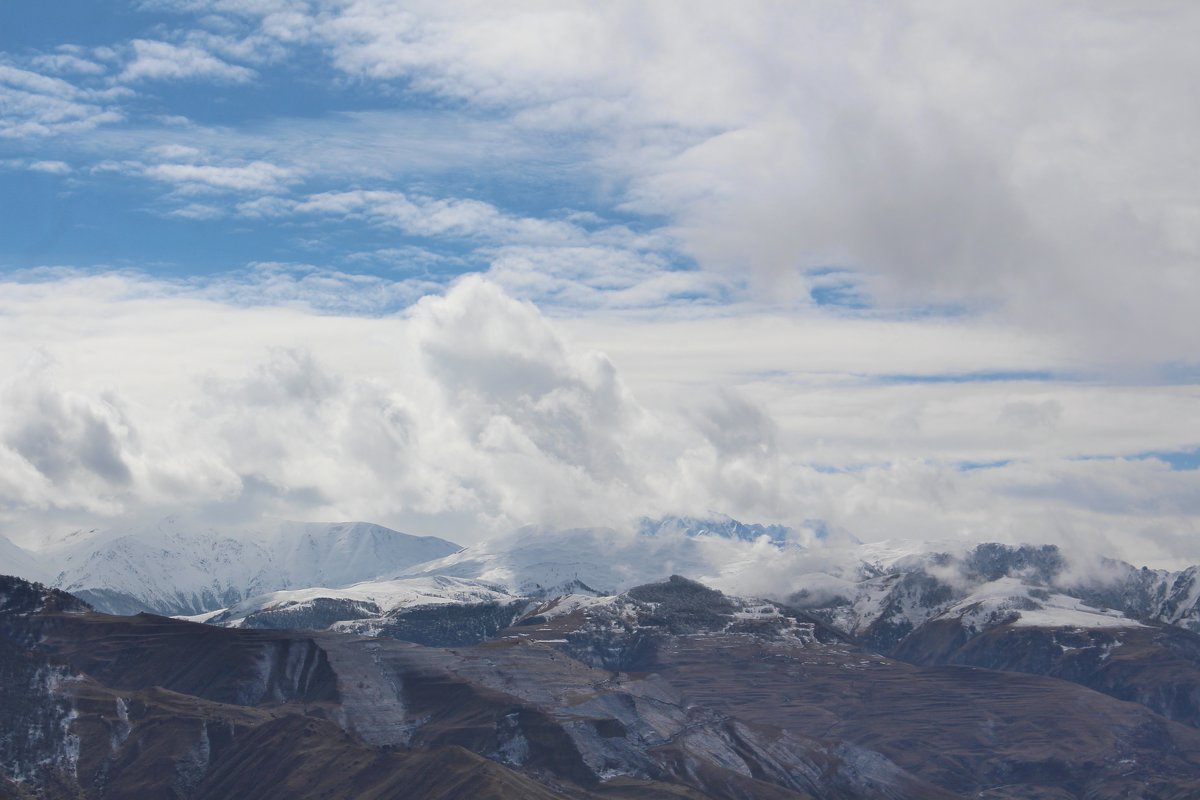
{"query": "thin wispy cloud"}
(37, 105)
(256, 176)
(154, 60)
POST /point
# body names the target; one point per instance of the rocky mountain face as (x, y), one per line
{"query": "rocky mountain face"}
(147, 706)
(1128, 633)
(670, 689)
(885, 600)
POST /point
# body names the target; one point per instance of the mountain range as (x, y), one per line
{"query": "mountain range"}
(683, 658)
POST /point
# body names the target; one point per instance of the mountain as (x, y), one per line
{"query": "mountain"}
(811, 532)
(1129, 633)
(1126, 632)
(879, 593)
(537, 561)
(433, 610)
(667, 690)
(718, 526)
(177, 566)
(19, 562)
(469, 595)
(897, 588)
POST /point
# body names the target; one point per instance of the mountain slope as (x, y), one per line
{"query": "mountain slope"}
(537, 561)
(148, 706)
(177, 567)
(19, 562)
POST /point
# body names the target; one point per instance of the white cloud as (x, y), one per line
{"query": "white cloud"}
(427, 216)
(197, 211)
(1029, 157)
(1031, 164)
(156, 60)
(176, 152)
(66, 62)
(590, 275)
(53, 167)
(255, 176)
(34, 105)
(49, 167)
(470, 413)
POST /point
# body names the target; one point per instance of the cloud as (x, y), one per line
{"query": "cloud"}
(52, 167)
(176, 152)
(157, 60)
(256, 176)
(35, 105)
(1024, 416)
(593, 275)
(916, 269)
(427, 216)
(471, 412)
(921, 144)
(67, 62)
(198, 211)
(60, 441)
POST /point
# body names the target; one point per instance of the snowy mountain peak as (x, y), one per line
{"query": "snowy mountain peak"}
(172, 566)
(19, 562)
(718, 525)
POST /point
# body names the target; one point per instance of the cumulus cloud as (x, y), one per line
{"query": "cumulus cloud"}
(66, 440)
(471, 413)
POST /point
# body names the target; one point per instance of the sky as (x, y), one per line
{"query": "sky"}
(912, 269)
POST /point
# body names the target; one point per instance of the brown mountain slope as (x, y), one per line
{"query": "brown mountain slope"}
(670, 691)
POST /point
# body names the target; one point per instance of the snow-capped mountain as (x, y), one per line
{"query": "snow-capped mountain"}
(369, 600)
(592, 642)
(535, 561)
(494, 580)
(879, 592)
(18, 562)
(718, 526)
(811, 532)
(898, 588)
(175, 566)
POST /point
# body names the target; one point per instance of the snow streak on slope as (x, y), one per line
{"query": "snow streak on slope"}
(1009, 601)
(382, 597)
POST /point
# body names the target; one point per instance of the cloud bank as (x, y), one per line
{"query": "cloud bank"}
(471, 413)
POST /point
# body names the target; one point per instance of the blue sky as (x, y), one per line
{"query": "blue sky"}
(188, 139)
(911, 269)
